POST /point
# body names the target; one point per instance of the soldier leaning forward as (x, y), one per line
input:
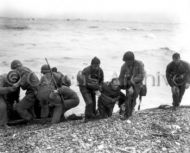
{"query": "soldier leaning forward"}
(178, 77)
(110, 94)
(89, 81)
(9, 94)
(50, 89)
(131, 77)
(62, 100)
(29, 82)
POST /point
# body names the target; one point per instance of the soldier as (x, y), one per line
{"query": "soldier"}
(131, 77)
(46, 86)
(89, 81)
(65, 79)
(178, 77)
(50, 96)
(62, 104)
(9, 94)
(29, 82)
(110, 94)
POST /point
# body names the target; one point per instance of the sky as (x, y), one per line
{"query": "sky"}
(95, 9)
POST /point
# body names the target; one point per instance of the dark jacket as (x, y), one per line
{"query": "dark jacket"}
(29, 81)
(108, 95)
(67, 93)
(46, 80)
(90, 74)
(5, 93)
(136, 72)
(183, 68)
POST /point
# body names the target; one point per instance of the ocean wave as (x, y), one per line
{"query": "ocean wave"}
(150, 35)
(130, 29)
(93, 27)
(159, 52)
(14, 27)
(160, 30)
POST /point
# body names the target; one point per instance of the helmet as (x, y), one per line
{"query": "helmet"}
(15, 64)
(95, 61)
(66, 81)
(54, 69)
(13, 77)
(45, 69)
(129, 56)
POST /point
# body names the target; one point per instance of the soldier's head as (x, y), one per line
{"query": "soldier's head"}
(15, 64)
(95, 63)
(45, 69)
(12, 77)
(66, 81)
(54, 69)
(176, 58)
(115, 83)
(129, 57)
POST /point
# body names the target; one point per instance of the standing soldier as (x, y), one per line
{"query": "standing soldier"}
(29, 82)
(9, 94)
(178, 77)
(131, 77)
(90, 80)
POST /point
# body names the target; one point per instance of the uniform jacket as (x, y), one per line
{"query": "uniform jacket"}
(108, 95)
(183, 68)
(90, 75)
(5, 93)
(136, 73)
(26, 76)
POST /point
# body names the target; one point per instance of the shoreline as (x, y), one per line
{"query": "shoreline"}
(150, 130)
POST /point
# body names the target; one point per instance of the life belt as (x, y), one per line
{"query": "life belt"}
(178, 81)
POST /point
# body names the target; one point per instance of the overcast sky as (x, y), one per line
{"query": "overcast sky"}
(116, 9)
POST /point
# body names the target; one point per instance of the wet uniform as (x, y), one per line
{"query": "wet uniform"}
(136, 73)
(88, 90)
(107, 100)
(182, 69)
(7, 99)
(29, 82)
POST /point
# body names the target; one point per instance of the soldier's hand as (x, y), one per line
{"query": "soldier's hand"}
(98, 93)
(55, 91)
(14, 105)
(16, 85)
(181, 76)
(187, 85)
(131, 90)
(132, 82)
(115, 99)
(12, 89)
(175, 89)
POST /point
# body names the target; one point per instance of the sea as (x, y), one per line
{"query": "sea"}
(70, 44)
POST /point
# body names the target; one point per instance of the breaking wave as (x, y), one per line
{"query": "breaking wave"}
(14, 27)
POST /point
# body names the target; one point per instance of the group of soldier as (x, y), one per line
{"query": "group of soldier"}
(51, 95)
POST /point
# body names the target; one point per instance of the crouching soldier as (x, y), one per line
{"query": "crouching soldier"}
(29, 82)
(178, 77)
(62, 100)
(46, 86)
(131, 77)
(66, 81)
(110, 94)
(9, 94)
(89, 81)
